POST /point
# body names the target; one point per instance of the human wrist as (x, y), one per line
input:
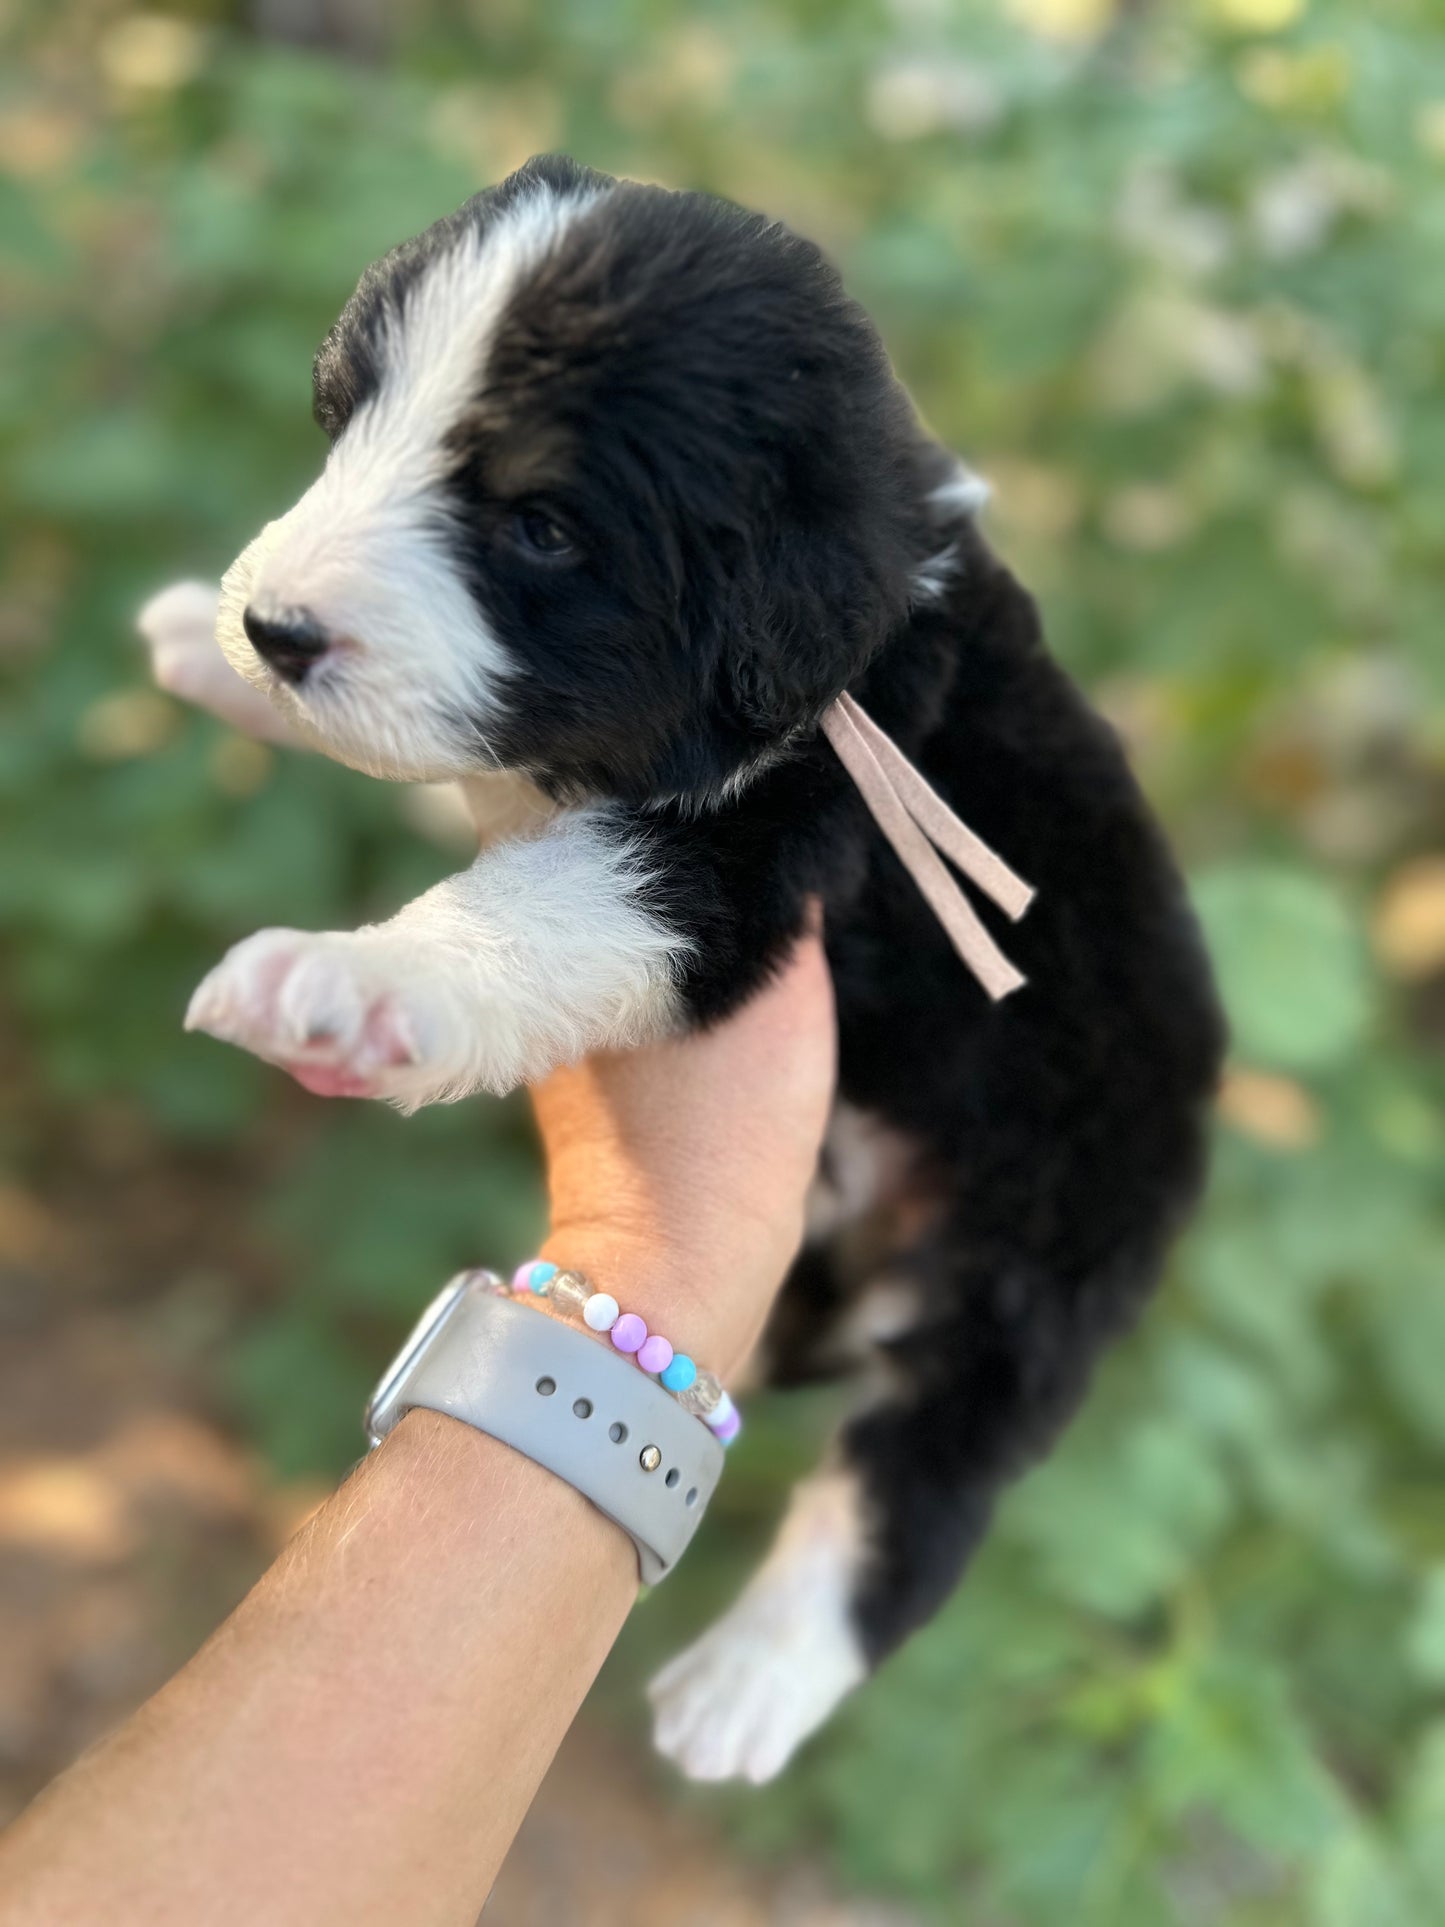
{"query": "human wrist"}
(709, 1301)
(434, 1469)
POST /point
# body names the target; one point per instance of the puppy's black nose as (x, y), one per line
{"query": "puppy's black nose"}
(289, 639)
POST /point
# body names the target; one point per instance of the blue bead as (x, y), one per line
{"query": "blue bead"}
(679, 1374)
(542, 1274)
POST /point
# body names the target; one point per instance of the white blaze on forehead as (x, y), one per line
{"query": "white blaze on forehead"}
(417, 672)
(435, 349)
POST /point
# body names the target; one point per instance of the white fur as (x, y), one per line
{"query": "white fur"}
(964, 493)
(540, 952)
(739, 1703)
(865, 1163)
(931, 579)
(888, 1309)
(179, 626)
(364, 551)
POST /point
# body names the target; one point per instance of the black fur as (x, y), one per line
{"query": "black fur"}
(687, 390)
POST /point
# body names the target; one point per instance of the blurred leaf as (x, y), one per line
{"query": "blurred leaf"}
(1229, 1742)
(1116, 1543)
(303, 1391)
(1427, 1635)
(1291, 964)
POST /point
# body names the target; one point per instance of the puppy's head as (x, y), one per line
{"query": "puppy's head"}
(621, 493)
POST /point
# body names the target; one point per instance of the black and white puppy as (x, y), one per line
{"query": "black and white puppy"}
(622, 493)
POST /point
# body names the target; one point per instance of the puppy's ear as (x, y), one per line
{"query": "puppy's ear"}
(791, 613)
(805, 625)
(839, 573)
(786, 628)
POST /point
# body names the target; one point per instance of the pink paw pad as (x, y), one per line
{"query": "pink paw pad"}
(385, 1043)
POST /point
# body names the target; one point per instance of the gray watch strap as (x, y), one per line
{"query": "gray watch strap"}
(560, 1397)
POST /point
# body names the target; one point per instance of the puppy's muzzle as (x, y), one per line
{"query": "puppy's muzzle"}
(290, 640)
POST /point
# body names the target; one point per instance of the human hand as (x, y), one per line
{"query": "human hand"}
(678, 1172)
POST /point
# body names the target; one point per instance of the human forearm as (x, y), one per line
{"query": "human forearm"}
(360, 1741)
(362, 1738)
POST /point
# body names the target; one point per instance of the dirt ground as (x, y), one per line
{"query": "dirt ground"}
(132, 1519)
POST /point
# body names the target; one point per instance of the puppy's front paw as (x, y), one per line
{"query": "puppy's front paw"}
(179, 628)
(182, 616)
(347, 1014)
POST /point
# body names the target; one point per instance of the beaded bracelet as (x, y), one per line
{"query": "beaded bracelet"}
(696, 1391)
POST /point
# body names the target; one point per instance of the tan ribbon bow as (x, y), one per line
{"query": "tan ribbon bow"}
(918, 823)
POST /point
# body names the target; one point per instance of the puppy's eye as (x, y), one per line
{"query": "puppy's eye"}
(537, 533)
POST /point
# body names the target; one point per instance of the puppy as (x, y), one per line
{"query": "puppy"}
(622, 494)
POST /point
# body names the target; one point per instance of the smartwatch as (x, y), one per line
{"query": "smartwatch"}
(564, 1400)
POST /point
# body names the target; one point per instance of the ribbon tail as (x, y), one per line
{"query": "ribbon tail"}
(940, 824)
(910, 840)
(960, 920)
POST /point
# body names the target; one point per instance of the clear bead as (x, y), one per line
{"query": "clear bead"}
(701, 1396)
(569, 1292)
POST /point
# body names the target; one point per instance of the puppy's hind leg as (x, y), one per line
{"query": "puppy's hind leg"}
(738, 1703)
(873, 1545)
(740, 1700)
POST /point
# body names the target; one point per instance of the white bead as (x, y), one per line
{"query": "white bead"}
(720, 1413)
(600, 1312)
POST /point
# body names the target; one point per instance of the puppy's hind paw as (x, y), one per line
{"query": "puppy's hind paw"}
(341, 1012)
(739, 1703)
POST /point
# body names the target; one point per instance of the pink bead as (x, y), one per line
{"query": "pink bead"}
(522, 1275)
(656, 1354)
(629, 1334)
(725, 1434)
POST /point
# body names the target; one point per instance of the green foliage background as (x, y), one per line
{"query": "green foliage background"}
(1174, 277)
